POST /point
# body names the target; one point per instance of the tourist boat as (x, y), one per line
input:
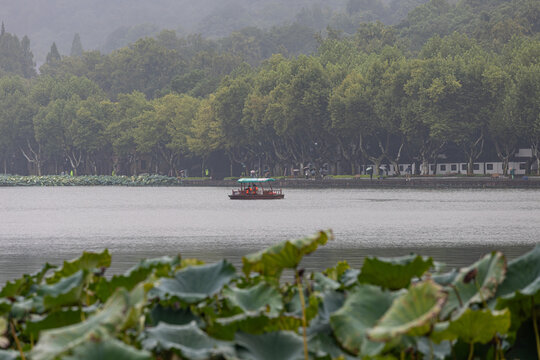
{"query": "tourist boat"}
(256, 189)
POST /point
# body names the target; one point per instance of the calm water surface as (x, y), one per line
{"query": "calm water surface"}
(454, 226)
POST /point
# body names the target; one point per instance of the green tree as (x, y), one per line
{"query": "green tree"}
(76, 46)
(53, 57)
(121, 131)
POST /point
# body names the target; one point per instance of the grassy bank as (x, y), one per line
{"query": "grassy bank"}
(170, 308)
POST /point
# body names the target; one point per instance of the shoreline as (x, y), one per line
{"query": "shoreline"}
(390, 183)
(477, 182)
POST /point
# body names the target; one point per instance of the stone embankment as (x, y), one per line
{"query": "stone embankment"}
(415, 182)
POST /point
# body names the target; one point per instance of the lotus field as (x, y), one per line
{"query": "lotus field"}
(174, 308)
(88, 180)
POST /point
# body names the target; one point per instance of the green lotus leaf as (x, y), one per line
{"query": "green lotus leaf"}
(187, 340)
(486, 274)
(88, 261)
(323, 283)
(335, 273)
(262, 297)
(22, 307)
(283, 345)
(173, 316)
(252, 322)
(9, 355)
(285, 255)
(473, 326)
(162, 265)
(294, 307)
(364, 306)
(446, 278)
(67, 291)
(393, 273)
(430, 350)
(324, 346)
(138, 273)
(331, 302)
(5, 306)
(195, 283)
(412, 313)
(111, 318)
(525, 344)
(107, 349)
(522, 277)
(350, 277)
(52, 320)
(23, 285)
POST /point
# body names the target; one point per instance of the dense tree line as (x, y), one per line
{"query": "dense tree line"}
(169, 103)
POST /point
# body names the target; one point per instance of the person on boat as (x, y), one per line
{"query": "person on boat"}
(255, 189)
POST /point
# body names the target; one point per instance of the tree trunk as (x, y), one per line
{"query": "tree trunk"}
(33, 156)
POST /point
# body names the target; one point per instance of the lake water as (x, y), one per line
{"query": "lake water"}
(39, 224)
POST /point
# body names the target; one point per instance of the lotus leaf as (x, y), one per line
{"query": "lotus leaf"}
(109, 349)
(173, 316)
(323, 283)
(473, 326)
(350, 277)
(412, 313)
(285, 255)
(525, 345)
(262, 297)
(162, 266)
(522, 278)
(88, 261)
(252, 322)
(446, 278)
(53, 343)
(324, 346)
(393, 273)
(283, 345)
(22, 307)
(294, 307)
(362, 309)
(331, 302)
(9, 355)
(487, 273)
(195, 283)
(188, 340)
(52, 320)
(430, 350)
(22, 285)
(67, 291)
(5, 306)
(335, 273)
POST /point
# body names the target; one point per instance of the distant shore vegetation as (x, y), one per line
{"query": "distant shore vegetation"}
(455, 80)
(172, 307)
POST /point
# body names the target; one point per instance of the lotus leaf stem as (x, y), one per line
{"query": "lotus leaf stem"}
(480, 293)
(304, 322)
(535, 326)
(471, 351)
(17, 340)
(457, 294)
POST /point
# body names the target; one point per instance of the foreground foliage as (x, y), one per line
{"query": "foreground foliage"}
(170, 307)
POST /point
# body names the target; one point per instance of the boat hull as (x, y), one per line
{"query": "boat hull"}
(256, 197)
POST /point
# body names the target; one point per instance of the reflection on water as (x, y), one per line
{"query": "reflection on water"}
(453, 226)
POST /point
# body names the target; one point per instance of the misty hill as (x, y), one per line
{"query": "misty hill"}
(107, 25)
(58, 20)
